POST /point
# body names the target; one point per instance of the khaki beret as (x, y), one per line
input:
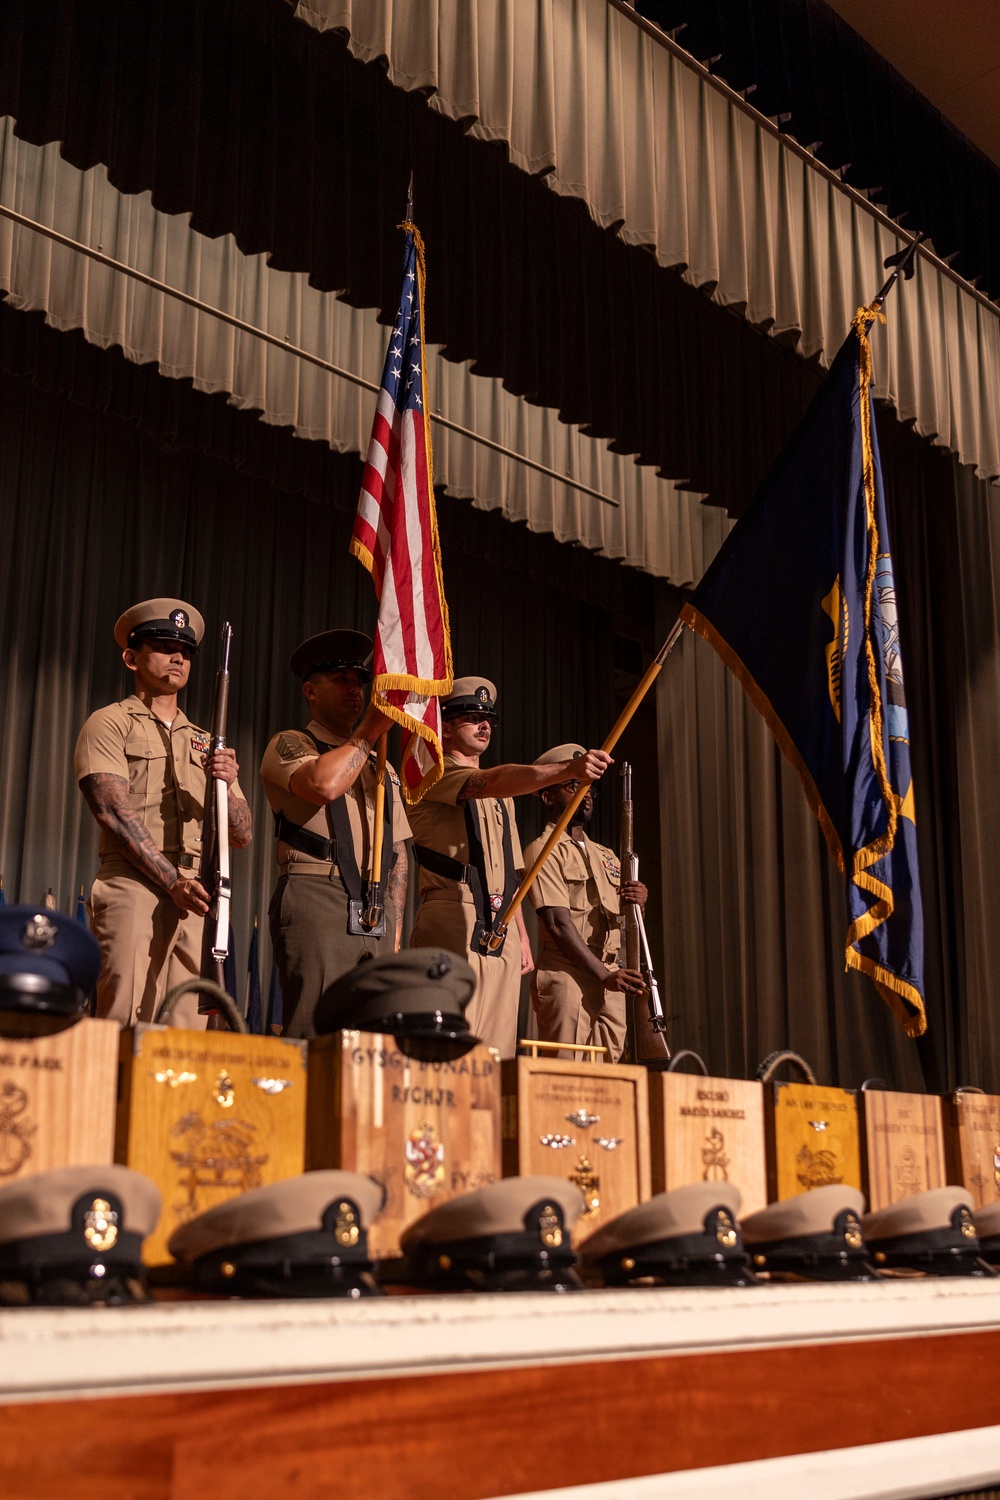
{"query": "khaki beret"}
(470, 695)
(512, 1235)
(685, 1237)
(162, 620)
(305, 1236)
(73, 1236)
(814, 1236)
(334, 651)
(933, 1232)
(418, 995)
(560, 752)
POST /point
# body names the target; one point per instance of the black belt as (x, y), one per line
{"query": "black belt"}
(302, 839)
(488, 907)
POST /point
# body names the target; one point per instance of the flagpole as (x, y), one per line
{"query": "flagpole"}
(492, 940)
(379, 817)
(902, 264)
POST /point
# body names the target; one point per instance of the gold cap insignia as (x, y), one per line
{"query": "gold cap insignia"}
(346, 1230)
(40, 932)
(852, 1232)
(179, 618)
(966, 1225)
(549, 1228)
(725, 1229)
(100, 1225)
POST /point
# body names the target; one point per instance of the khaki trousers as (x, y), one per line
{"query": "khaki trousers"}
(446, 921)
(312, 947)
(147, 947)
(572, 1007)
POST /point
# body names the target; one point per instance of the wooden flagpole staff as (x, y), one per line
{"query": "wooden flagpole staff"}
(377, 906)
(490, 941)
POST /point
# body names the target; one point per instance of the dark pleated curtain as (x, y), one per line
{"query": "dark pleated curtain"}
(261, 127)
(117, 484)
(756, 914)
(803, 64)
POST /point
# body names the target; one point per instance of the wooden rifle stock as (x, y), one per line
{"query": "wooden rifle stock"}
(649, 1042)
(214, 872)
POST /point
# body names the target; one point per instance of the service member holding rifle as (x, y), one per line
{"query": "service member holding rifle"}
(142, 767)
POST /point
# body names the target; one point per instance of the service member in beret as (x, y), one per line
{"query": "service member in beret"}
(578, 991)
(306, 1236)
(931, 1233)
(815, 1236)
(143, 767)
(467, 846)
(320, 785)
(72, 1237)
(510, 1236)
(418, 996)
(49, 962)
(687, 1237)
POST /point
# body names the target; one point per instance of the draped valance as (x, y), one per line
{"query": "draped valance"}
(646, 521)
(580, 91)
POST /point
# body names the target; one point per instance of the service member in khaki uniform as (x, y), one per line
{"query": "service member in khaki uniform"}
(143, 766)
(467, 846)
(320, 784)
(578, 991)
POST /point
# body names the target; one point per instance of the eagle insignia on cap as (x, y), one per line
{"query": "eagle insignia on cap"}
(100, 1225)
(482, 695)
(40, 932)
(179, 618)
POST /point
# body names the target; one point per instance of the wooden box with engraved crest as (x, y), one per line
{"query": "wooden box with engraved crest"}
(426, 1131)
(708, 1130)
(811, 1129)
(973, 1143)
(586, 1121)
(208, 1115)
(903, 1146)
(57, 1093)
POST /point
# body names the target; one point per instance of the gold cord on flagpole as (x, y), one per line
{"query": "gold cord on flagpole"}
(379, 808)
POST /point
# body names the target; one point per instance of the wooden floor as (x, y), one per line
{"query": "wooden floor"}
(469, 1435)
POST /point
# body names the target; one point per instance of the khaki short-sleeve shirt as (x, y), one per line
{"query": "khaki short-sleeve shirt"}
(162, 765)
(293, 748)
(438, 822)
(584, 878)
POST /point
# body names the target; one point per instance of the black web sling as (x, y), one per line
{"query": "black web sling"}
(339, 848)
(473, 875)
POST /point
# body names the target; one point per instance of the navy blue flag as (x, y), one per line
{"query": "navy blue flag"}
(81, 909)
(275, 1020)
(255, 1019)
(800, 604)
(3, 898)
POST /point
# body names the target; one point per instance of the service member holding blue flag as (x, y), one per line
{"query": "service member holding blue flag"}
(800, 604)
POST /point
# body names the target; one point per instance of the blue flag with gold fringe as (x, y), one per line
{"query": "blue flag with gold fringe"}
(800, 604)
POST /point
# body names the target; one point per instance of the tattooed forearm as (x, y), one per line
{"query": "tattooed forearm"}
(395, 886)
(107, 798)
(239, 821)
(474, 786)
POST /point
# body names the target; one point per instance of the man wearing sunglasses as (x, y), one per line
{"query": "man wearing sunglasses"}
(142, 767)
(466, 844)
(578, 991)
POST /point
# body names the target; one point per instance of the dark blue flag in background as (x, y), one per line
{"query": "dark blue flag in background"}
(255, 1019)
(800, 604)
(275, 1020)
(81, 909)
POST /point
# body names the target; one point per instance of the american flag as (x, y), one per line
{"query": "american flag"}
(396, 538)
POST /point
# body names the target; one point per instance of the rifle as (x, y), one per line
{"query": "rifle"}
(214, 874)
(648, 1024)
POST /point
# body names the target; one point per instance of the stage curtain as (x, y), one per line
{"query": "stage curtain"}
(754, 908)
(118, 485)
(263, 128)
(646, 521)
(582, 94)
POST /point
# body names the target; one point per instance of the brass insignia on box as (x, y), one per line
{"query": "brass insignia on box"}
(424, 1168)
(608, 1142)
(39, 932)
(100, 1225)
(271, 1085)
(171, 1079)
(557, 1142)
(225, 1090)
(580, 1117)
(588, 1181)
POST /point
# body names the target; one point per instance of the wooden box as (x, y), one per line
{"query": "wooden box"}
(588, 1122)
(973, 1147)
(207, 1115)
(57, 1094)
(708, 1130)
(812, 1139)
(903, 1146)
(426, 1131)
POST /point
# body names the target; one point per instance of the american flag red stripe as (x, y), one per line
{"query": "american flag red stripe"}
(395, 536)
